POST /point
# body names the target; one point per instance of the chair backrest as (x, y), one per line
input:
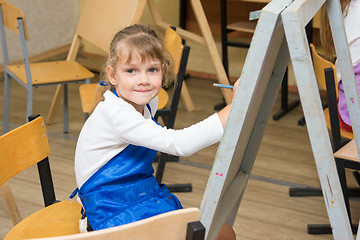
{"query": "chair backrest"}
(319, 65)
(13, 18)
(180, 55)
(20, 149)
(168, 226)
(173, 44)
(326, 78)
(100, 20)
(10, 15)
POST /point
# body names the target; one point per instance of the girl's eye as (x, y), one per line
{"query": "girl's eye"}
(153, 70)
(130, 71)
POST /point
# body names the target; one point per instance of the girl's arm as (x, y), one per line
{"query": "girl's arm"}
(130, 127)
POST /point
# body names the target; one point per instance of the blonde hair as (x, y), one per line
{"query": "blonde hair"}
(325, 31)
(145, 42)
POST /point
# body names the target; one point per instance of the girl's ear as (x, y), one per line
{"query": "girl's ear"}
(110, 72)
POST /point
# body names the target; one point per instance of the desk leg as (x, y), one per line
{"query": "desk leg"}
(224, 47)
(285, 107)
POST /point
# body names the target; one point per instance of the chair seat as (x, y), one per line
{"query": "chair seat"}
(88, 96)
(343, 133)
(163, 99)
(58, 219)
(52, 72)
(171, 225)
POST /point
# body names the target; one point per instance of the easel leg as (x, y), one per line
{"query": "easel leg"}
(10, 203)
(54, 105)
(231, 197)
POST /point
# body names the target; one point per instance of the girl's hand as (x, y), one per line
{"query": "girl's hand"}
(235, 88)
(224, 113)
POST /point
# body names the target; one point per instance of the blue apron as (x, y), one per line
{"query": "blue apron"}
(124, 190)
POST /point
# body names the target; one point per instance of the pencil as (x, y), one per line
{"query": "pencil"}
(222, 85)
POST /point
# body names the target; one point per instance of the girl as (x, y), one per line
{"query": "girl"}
(351, 13)
(118, 143)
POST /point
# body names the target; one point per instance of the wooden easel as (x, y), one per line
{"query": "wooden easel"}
(264, 68)
(134, 10)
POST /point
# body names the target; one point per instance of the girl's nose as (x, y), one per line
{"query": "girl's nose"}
(143, 79)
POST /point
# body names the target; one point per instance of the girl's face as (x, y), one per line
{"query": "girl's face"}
(137, 82)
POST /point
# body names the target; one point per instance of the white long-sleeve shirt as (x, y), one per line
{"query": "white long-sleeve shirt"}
(115, 124)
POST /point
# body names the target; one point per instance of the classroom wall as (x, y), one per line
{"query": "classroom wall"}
(51, 24)
(169, 11)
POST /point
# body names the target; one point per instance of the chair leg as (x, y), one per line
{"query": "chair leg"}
(29, 104)
(66, 108)
(285, 106)
(86, 116)
(7, 103)
(195, 231)
(301, 121)
(184, 187)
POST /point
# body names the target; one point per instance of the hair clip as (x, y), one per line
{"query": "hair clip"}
(103, 83)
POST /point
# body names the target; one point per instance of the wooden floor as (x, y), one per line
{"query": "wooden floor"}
(266, 212)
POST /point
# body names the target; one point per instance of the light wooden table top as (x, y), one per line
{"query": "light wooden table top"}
(348, 151)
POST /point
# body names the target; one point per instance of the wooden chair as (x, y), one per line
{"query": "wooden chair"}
(20, 149)
(31, 75)
(111, 16)
(320, 64)
(180, 55)
(175, 225)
